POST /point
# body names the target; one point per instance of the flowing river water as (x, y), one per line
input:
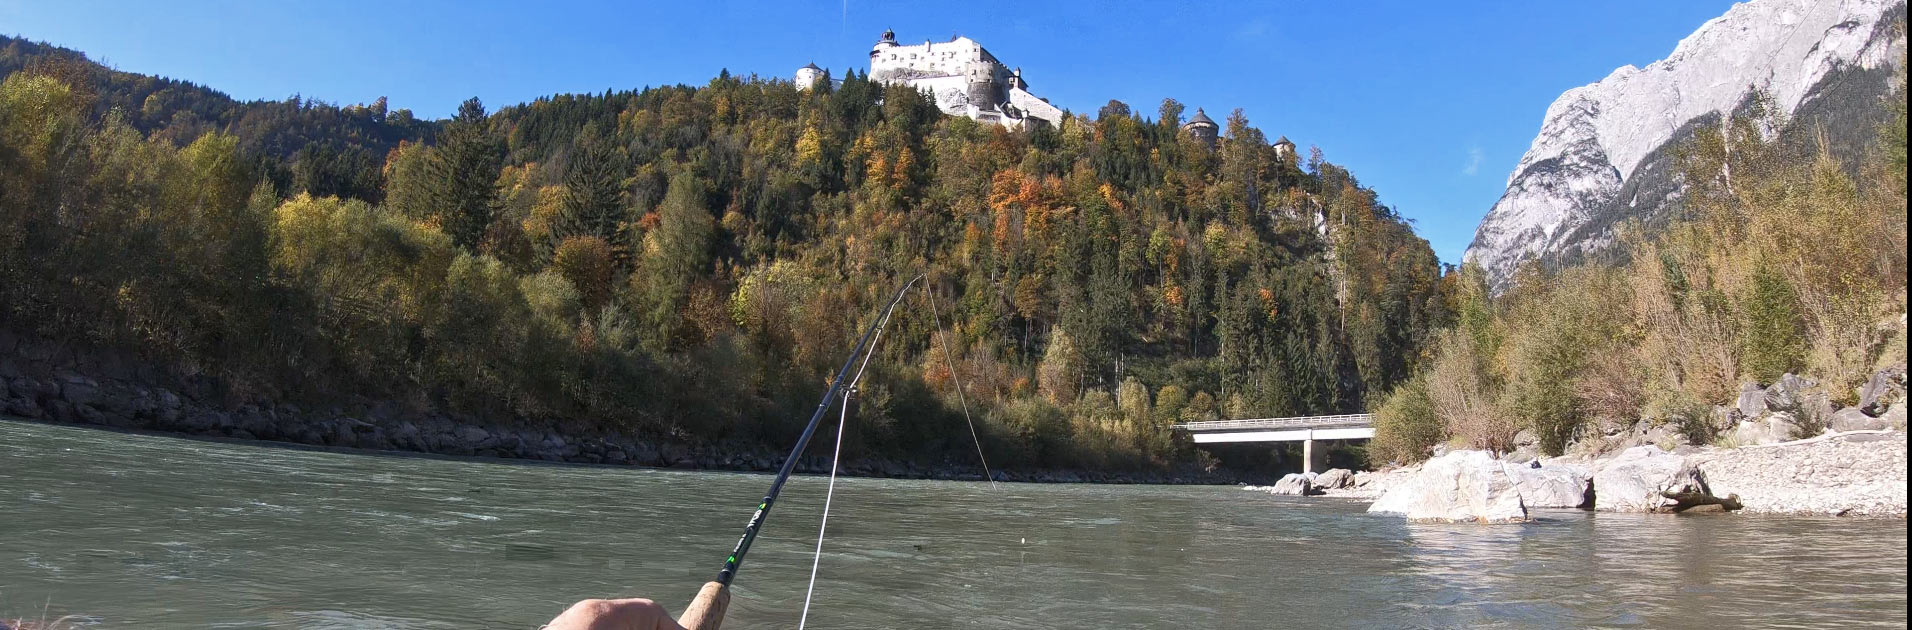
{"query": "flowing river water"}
(139, 531)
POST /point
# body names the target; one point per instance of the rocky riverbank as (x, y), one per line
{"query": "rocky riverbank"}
(1856, 473)
(1783, 448)
(44, 381)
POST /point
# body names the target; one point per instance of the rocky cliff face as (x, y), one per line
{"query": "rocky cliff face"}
(1605, 151)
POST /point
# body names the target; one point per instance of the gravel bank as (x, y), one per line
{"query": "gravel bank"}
(1859, 475)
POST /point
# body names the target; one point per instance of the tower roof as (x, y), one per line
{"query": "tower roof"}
(1200, 118)
(889, 37)
(810, 66)
(1284, 140)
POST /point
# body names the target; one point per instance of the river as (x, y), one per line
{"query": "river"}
(140, 531)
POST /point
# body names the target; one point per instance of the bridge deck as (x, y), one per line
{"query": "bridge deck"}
(1307, 422)
(1342, 427)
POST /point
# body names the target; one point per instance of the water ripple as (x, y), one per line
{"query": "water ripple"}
(138, 531)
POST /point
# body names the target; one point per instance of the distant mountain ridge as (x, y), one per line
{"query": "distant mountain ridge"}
(1606, 151)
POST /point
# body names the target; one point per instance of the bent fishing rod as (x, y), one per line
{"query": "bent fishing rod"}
(706, 611)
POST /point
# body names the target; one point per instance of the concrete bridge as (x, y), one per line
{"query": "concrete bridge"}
(1359, 426)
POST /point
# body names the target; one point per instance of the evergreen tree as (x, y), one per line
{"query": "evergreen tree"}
(675, 255)
(593, 202)
(465, 175)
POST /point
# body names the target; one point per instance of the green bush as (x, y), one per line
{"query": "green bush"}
(1772, 332)
(1405, 426)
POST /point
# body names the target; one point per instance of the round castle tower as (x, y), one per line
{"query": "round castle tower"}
(808, 75)
(1202, 127)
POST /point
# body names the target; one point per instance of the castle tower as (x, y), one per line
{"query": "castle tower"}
(1285, 150)
(888, 42)
(807, 76)
(1202, 127)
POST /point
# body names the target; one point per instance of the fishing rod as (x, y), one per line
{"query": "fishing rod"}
(706, 611)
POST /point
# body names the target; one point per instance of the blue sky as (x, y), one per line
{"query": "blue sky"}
(1431, 104)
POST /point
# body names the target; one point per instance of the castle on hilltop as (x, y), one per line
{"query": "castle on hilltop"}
(965, 80)
(961, 76)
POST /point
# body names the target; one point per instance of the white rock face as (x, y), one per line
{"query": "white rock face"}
(1459, 487)
(1551, 486)
(1594, 137)
(1636, 480)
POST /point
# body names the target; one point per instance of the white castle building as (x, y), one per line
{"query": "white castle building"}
(962, 77)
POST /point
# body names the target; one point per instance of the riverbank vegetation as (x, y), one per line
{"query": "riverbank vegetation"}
(1785, 260)
(692, 261)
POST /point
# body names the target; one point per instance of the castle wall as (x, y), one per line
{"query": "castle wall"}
(1034, 107)
(959, 57)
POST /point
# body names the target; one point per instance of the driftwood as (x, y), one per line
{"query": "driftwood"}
(1702, 502)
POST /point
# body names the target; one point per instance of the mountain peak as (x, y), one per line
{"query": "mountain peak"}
(1616, 135)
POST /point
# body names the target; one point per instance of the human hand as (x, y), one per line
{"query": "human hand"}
(614, 614)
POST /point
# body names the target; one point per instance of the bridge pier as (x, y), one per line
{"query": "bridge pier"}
(1311, 458)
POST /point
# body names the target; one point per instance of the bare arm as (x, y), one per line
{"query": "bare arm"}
(614, 614)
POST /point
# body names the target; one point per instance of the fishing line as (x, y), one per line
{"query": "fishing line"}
(836, 456)
(960, 396)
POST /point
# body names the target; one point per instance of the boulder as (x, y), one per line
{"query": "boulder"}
(1895, 417)
(1296, 485)
(1641, 478)
(1556, 486)
(1752, 400)
(23, 407)
(79, 391)
(1816, 409)
(1772, 429)
(471, 436)
(1334, 479)
(1852, 419)
(1788, 393)
(1881, 391)
(1460, 486)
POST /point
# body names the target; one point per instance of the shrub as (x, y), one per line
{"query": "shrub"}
(1771, 334)
(1462, 396)
(1405, 426)
(586, 261)
(1692, 416)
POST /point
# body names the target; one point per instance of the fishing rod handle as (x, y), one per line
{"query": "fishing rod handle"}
(706, 612)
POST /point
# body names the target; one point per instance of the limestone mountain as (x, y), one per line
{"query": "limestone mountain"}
(1606, 152)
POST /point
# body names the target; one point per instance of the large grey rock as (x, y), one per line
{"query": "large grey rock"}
(1293, 485)
(23, 407)
(1752, 400)
(79, 391)
(1882, 390)
(1334, 479)
(1851, 419)
(1638, 479)
(1816, 410)
(1771, 429)
(1788, 393)
(1460, 486)
(1556, 486)
(1895, 417)
(471, 436)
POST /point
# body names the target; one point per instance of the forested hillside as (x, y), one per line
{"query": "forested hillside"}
(692, 261)
(302, 145)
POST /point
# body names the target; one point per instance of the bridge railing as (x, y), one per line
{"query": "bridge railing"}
(1311, 422)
